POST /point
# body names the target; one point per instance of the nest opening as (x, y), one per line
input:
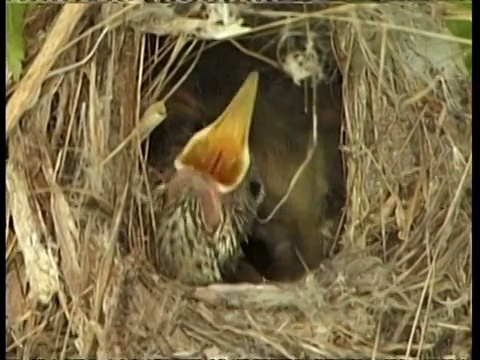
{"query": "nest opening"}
(214, 77)
(81, 169)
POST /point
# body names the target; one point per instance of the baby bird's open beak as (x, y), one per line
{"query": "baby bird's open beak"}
(221, 149)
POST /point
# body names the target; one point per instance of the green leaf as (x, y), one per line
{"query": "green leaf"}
(462, 28)
(15, 40)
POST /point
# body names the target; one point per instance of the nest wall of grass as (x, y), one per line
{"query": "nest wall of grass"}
(77, 183)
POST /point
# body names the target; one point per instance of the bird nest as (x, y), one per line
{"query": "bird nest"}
(401, 285)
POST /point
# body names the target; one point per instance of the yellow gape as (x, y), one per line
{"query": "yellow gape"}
(221, 149)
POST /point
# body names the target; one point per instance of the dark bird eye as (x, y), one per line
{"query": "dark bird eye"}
(256, 190)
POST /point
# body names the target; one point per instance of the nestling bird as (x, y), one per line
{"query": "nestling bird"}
(208, 205)
(281, 129)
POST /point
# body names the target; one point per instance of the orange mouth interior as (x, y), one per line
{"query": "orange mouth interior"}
(221, 149)
(219, 156)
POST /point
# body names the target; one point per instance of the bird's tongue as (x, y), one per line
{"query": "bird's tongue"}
(206, 192)
(211, 208)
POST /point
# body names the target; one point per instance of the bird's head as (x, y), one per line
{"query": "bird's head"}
(214, 165)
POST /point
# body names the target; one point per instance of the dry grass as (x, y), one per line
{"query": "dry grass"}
(76, 185)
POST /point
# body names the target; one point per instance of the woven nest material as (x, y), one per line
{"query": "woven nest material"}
(401, 284)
